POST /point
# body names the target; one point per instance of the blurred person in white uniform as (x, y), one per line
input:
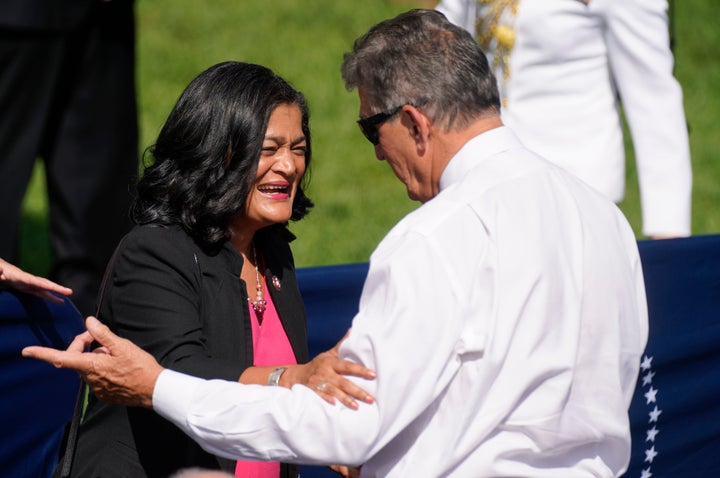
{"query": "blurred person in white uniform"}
(505, 316)
(565, 69)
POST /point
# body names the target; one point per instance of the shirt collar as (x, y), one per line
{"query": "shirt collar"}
(478, 149)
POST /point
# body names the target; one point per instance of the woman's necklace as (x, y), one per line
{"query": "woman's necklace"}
(259, 303)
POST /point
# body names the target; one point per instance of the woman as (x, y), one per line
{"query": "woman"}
(206, 281)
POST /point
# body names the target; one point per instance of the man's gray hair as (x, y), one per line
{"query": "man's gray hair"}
(421, 58)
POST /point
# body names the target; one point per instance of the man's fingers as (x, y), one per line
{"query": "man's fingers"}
(58, 358)
(37, 352)
(101, 332)
(80, 342)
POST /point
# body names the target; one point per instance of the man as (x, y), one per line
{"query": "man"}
(505, 317)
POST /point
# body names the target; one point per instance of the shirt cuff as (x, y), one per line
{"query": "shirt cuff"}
(173, 396)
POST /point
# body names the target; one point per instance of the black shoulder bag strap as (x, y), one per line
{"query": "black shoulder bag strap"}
(71, 442)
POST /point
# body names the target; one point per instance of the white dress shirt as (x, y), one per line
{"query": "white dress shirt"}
(505, 319)
(567, 67)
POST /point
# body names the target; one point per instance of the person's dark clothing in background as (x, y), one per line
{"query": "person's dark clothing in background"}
(67, 95)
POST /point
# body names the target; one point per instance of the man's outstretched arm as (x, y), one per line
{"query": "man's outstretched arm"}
(226, 418)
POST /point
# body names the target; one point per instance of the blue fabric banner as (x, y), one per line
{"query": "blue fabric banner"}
(36, 399)
(675, 412)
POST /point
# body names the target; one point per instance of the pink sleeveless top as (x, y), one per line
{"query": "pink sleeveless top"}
(270, 347)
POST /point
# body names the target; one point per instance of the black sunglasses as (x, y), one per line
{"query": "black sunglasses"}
(369, 125)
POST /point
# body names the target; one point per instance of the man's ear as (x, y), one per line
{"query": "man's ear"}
(420, 126)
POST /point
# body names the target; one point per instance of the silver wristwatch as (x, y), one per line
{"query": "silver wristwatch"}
(274, 378)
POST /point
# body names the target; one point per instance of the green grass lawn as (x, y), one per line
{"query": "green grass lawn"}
(357, 198)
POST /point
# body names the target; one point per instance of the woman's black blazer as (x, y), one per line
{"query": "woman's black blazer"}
(189, 309)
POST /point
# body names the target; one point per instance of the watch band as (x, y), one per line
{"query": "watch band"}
(274, 378)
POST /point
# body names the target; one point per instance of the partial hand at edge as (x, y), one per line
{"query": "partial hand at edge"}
(346, 471)
(118, 371)
(18, 279)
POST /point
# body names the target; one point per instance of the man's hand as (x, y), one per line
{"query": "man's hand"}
(117, 372)
(13, 276)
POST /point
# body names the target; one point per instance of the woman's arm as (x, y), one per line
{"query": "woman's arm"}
(154, 299)
(324, 374)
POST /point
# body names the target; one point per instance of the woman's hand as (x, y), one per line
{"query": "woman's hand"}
(325, 375)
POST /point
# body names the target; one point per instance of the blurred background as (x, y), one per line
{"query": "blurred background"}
(357, 199)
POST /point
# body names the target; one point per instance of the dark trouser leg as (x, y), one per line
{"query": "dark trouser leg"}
(30, 64)
(92, 160)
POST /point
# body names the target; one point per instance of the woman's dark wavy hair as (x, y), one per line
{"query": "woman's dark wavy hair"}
(207, 153)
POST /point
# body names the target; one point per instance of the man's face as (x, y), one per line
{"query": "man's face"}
(398, 146)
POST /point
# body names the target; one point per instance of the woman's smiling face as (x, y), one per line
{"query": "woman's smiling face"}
(280, 168)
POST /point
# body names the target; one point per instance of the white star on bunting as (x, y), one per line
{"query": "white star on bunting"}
(651, 398)
(646, 363)
(650, 454)
(651, 395)
(654, 414)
